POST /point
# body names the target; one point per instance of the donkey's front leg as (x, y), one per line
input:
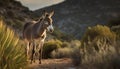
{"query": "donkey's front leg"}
(27, 51)
(40, 50)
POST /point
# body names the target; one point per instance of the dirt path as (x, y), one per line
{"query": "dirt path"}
(53, 64)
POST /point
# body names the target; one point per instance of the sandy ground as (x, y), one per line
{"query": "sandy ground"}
(53, 64)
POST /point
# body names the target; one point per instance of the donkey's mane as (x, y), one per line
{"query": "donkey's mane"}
(32, 22)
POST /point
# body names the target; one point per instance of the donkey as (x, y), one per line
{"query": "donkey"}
(34, 34)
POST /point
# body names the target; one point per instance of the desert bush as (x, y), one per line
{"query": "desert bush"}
(98, 48)
(76, 56)
(75, 43)
(61, 53)
(18, 24)
(98, 32)
(74, 53)
(65, 44)
(50, 46)
(12, 55)
(99, 37)
(66, 49)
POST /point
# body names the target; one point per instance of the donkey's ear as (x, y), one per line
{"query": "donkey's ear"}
(51, 13)
(44, 13)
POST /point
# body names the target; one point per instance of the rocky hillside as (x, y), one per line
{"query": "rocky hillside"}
(74, 16)
(14, 13)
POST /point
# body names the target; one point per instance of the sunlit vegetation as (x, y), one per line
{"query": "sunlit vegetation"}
(12, 56)
(50, 46)
(99, 32)
(99, 49)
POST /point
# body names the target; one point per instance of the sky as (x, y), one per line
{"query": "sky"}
(37, 4)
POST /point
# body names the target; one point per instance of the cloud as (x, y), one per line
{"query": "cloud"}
(36, 4)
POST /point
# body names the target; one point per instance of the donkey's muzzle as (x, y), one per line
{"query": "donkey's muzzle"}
(51, 30)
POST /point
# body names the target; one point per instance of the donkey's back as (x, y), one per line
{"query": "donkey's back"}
(27, 28)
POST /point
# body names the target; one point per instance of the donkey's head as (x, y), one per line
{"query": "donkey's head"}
(47, 21)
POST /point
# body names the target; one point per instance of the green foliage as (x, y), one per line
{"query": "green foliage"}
(16, 24)
(75, 43)
(76, 56)
(65, 44)
(12, 55)
(98, 39)
(98, 32)
(62, 36)
(99, 48)
(61, 53)
(50, 46)
(69, 50)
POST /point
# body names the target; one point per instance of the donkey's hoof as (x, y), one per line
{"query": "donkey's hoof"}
(31, 62)
(39, 62)
(34, 61)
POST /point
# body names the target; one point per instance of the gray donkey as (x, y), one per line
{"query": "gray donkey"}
(34, 34)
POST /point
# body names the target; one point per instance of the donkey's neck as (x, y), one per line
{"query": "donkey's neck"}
(40, 30)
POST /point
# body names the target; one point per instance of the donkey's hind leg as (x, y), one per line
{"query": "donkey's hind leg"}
(33, 52)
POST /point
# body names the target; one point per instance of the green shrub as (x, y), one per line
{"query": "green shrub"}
(65, 44)
(18, 24)
(61, 53)
(50, 46)
(98, 32)
(98, 39)
(98, 48)
(75, 43)
(76, 56)
(11, 55)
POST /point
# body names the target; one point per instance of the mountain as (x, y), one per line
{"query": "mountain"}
(14, 13)
(74, 16)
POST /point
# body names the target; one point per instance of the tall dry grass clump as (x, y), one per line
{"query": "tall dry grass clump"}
(11, 54)
(99, 49)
